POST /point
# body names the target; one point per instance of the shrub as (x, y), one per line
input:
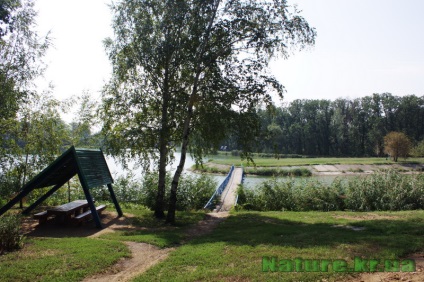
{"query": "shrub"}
(195, 191)
(127, 190)
(10, 238)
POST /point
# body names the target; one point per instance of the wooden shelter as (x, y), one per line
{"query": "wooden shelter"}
(89, 165)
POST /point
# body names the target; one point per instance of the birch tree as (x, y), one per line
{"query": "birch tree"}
(186, 73)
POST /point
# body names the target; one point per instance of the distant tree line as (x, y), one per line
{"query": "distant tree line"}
(342, 127)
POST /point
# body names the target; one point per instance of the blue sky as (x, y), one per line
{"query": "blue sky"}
(362, 47)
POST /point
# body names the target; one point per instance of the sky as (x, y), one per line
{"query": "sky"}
(362, 47)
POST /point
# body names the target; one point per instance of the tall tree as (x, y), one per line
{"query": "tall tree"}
(189, 68)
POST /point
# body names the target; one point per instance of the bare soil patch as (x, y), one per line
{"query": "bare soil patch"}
(416, 276)
(206, 226)
(353, 169)
(366, 216)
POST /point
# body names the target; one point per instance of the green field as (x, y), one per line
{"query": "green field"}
(273, 162)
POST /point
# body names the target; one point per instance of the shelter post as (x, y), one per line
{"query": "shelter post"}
(40, 200)
(115, 201)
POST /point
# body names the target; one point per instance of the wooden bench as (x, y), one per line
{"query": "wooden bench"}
(87, 215)
(41, 216)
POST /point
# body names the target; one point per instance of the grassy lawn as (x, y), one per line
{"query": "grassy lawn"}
(60, 259)
(74, 258)
(234, 251)
(272, 162)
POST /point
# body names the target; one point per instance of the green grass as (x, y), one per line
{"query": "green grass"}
(60, 259)
(234, 251)
(73, 259)
(156, 232)
(272, 162)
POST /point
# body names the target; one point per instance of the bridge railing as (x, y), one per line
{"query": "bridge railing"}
(220, 189)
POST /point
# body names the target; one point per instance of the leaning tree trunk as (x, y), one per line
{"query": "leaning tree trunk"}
(175, 180)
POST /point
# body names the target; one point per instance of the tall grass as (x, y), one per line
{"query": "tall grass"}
(270, 171)
(260, 171)
(388, 190)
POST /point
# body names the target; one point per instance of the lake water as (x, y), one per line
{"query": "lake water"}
(250, 182)
(117, 169)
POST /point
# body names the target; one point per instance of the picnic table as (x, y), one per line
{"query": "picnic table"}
(75, 211)
(67, 211)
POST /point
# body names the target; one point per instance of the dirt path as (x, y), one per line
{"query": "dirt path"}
(144, 256)
(417, 276)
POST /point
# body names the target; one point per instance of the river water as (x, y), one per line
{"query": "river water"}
(250, 182)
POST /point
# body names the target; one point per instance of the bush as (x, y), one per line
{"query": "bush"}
(193, 191)
(127, 190)
(10, 238)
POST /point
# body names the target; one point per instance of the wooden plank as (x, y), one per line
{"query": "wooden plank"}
(87, 215)
(41, 216)
(94, 168)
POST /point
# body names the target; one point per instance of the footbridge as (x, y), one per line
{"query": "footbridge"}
(227, 191)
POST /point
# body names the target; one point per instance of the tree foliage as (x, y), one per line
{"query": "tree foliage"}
(418, 150)
(397, 144)
(343, 127)
(189, 72)
(21, 50)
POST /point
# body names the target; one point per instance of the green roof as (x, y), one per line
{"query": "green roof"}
(90, 163)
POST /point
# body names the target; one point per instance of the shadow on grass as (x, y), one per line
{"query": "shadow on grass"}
(388, 237)
(234, 250)
(383, 235)
(52, 229)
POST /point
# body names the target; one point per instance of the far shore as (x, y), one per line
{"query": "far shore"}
(333, 169)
